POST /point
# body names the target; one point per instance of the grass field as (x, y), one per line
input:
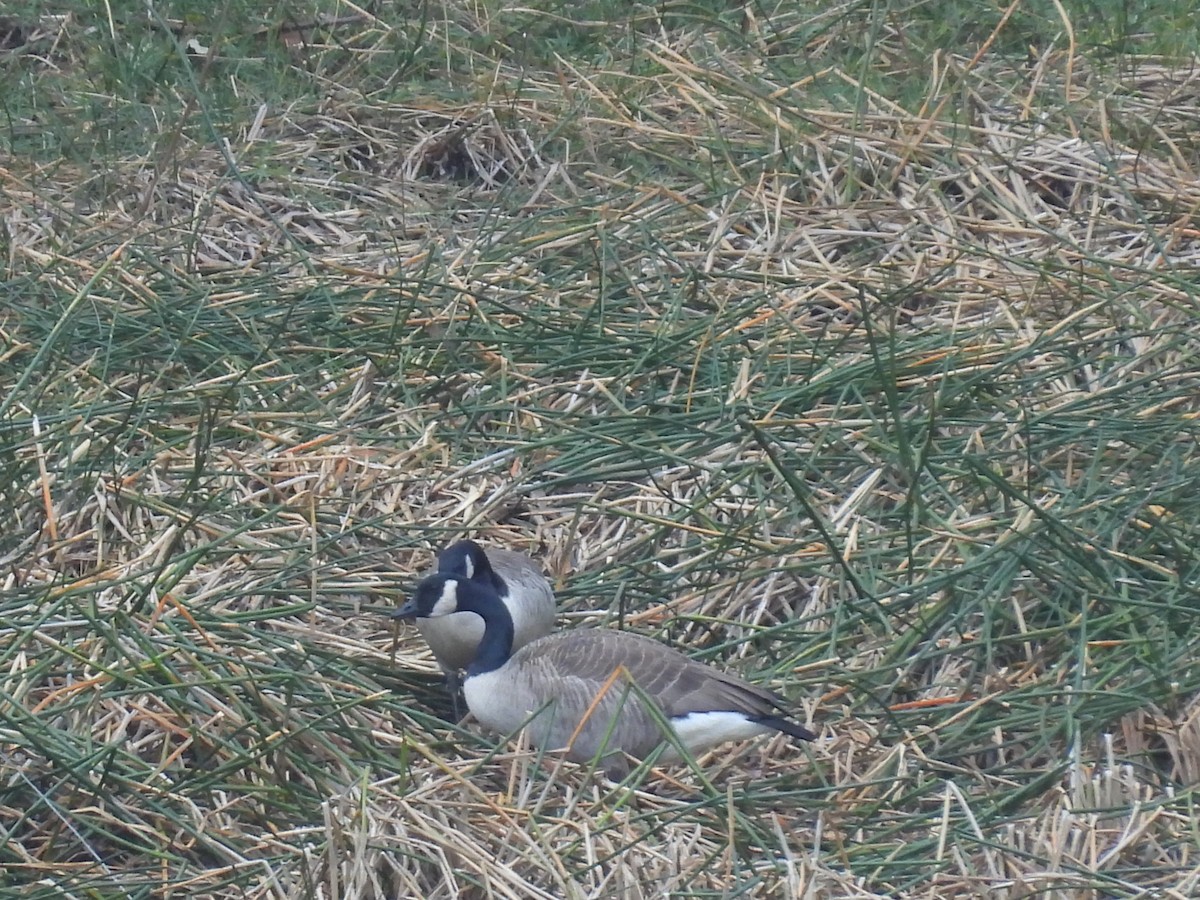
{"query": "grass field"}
(852, 348)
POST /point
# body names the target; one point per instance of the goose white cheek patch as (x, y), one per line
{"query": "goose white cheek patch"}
(448, 602)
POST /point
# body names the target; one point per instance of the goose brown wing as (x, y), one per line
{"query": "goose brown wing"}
(677, 684)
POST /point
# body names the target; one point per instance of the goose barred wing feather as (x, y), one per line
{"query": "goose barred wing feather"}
(564, 685)
(679, 685)
(518, 569)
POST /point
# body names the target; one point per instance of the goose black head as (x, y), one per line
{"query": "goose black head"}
(466, 558)
(442, 595)
(435, 596)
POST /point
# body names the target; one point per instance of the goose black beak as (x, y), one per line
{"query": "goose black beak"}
(407, 611)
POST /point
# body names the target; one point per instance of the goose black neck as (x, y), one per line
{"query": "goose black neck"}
(495, 647)
(485, 574)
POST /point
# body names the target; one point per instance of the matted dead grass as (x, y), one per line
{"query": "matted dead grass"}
(889, 414)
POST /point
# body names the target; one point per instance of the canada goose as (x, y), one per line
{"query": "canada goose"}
(516, 581)
(578, 683)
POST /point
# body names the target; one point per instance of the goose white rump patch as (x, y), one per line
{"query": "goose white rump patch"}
(700, 730)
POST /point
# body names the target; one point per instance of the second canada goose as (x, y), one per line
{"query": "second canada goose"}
(517, 582)
(597, 693)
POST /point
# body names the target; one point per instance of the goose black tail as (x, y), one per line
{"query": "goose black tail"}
(787, 726)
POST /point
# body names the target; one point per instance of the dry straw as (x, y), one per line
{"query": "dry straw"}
(891, 411)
